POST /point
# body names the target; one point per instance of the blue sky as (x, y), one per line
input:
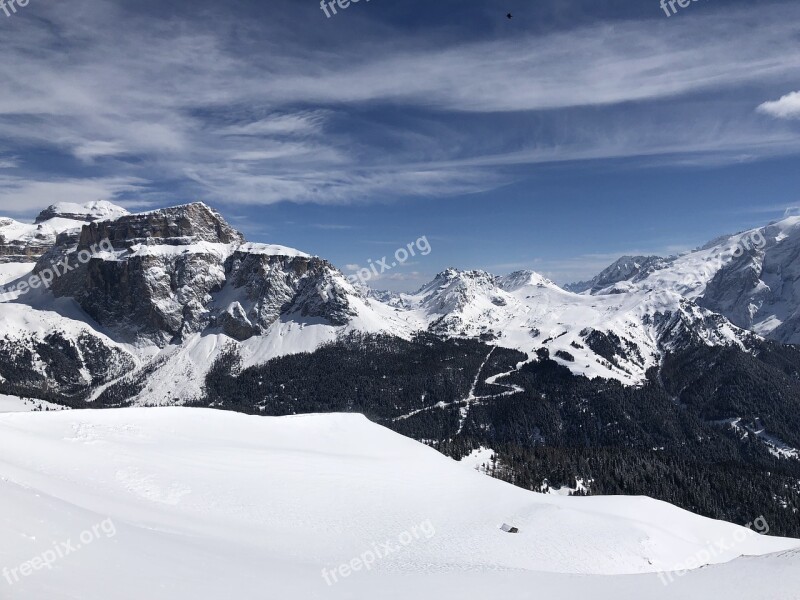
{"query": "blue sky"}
(558, 140)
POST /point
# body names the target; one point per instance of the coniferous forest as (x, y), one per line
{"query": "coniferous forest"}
(700, 434)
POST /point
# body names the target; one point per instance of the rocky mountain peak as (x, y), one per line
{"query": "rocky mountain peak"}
(181, 270)
(625, 268)
(176, 226)
(519, 279)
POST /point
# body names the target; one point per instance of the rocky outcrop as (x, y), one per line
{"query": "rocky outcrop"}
(626, 268)
(182, 270)
(62, 365)
(25, 242)
(270, 285)
(234, 322)
(176, 226)
(759, 288)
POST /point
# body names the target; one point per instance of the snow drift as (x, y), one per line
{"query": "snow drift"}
(210, 504)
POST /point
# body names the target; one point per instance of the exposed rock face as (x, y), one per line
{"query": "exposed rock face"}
(176, 226)
(23, 242)
(626, 268)
(181, 270)
(60, 364)
(234, 322)
(759, 289)
(272, 285)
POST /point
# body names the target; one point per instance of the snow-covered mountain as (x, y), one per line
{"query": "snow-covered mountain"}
(172, 288)
(732, 290)
(167, 290)
(178, 271)
(23, 242)
(179, 503)
(626, 268)
(616, 336)
(752, 278)
(155, 306)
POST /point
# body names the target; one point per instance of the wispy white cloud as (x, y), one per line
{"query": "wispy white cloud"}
(332, 226)
(20, 195)
(214, 114)
(302, 123)
(765, 209)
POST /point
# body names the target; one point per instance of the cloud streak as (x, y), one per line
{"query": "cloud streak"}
(204, 105)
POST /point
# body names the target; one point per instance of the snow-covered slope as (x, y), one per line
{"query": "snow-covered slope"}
(99, 210)
(752, 278)
(179, 286)
(192, 503)
(24, 242)
(175, 374)
(16, 404)
(616, 336)
(760, 289)
(55, 352)
(182, 284)
(625, 268)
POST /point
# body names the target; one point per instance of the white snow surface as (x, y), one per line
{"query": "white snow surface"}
(12, 271)
(16, 404)
(181, 376)
(271, 250)
(16, 231)
(524, 310)
(99, 210)
(211, 504)
(221, 251)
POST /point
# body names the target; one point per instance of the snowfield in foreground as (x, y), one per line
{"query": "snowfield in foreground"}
(177, 503)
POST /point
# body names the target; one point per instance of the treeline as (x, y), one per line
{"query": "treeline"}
(669, 439)
(381, 376)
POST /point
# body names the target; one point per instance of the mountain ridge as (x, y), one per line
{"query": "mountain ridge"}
(182, 283)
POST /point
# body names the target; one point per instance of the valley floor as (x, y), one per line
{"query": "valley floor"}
(179, 503)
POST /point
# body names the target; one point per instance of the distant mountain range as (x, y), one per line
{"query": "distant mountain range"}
(181, 283)
(673, 377)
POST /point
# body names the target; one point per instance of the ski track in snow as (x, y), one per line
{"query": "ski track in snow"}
(471, 397)
(464, 411)
(776, 447)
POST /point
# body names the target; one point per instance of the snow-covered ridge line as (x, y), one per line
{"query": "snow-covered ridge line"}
(271, 250)
(202, 277)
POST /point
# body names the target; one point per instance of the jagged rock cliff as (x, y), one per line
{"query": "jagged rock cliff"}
(25, 242)
(181, 270)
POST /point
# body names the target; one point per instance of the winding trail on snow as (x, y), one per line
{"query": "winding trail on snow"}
(471, 397)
